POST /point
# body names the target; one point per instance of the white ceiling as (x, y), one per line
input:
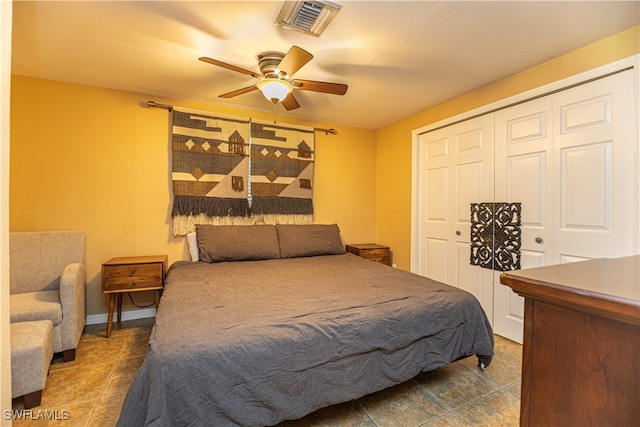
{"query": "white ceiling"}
(398, 58)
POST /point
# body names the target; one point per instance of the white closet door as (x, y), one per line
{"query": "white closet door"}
(569, 159)
(524, 146)
(456, 170)
(594, 171)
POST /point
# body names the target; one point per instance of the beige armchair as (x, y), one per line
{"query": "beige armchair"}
(47, 281)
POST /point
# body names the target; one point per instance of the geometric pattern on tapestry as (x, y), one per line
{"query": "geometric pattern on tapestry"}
(496, 235)
(210, 165)
(282, 163)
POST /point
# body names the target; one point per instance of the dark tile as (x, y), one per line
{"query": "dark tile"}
(506, 366)
(515, 389)
(407, 404)
(454, 385)
(93, 351)
(136, 345)
(348, 414)
(107, 411)
(122, 376)
(449, 420)
(77, 384)
(498, 409)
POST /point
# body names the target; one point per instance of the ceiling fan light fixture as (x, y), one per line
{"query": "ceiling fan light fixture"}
(307, 16)
(275, 90)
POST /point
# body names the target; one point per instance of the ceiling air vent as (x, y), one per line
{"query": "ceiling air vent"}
(309, 17)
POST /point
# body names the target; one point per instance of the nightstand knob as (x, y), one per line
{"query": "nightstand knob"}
(458, 233)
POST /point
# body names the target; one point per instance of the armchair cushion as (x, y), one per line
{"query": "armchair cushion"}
(32, 306)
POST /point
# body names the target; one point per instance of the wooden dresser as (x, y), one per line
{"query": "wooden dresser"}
(581, 349)
(372, 251)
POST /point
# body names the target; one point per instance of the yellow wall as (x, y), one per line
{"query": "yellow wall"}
(92, 159)
(393, 201)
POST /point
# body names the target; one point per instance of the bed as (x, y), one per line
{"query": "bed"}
(261, 330)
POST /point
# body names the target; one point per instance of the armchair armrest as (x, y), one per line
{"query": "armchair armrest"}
(72, 284)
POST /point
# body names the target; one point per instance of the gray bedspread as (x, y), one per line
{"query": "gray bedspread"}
(254, 343)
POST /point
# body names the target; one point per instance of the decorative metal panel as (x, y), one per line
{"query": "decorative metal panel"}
(496, 235)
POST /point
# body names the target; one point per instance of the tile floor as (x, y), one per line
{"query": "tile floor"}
(90, 390)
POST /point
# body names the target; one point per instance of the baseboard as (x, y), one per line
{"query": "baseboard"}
(96, 319)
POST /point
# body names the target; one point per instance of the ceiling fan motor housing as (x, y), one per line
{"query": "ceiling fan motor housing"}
(268, 62)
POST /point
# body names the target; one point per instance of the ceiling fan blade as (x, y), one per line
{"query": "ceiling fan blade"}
(239, 92)
(325, 87)
(290, 102)
(295, 59)
(230, 67)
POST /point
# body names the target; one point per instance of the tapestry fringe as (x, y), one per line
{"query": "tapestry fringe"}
(185, 224)
(285, 219)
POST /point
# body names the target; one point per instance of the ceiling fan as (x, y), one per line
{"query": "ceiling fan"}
(275, 77)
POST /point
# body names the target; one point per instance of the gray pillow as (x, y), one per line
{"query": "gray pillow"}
(309, 240)
(217, 243)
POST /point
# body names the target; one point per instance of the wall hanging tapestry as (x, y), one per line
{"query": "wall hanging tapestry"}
(496, 235)
(210, 169)
(282, 160)
(234, 170)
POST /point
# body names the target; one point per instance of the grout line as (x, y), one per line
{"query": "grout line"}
(367, 413)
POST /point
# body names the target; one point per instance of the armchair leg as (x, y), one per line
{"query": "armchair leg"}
(32, 399)
(69, 355)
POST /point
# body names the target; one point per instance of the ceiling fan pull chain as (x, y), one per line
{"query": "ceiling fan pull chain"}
(275, 113)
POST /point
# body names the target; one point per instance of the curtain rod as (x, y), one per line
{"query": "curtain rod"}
(153, 104)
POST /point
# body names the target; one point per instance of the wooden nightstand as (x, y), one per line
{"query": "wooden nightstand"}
(372, 251)
(132, 274)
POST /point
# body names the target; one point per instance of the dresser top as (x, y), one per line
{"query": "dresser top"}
(605, 284)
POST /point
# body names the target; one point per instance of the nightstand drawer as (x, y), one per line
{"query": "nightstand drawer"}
(132, 276)
(377, 255)
(125, 274)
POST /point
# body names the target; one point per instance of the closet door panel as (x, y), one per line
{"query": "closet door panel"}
(434, 205)
(456, 169)
(526, 175)
(436, 259)
(586, 193)
(469, 186)
(524, 146)
(594, 168)
(473, 183)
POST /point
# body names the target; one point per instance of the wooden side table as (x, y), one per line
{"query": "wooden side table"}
(132, 274)
(372, 251)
